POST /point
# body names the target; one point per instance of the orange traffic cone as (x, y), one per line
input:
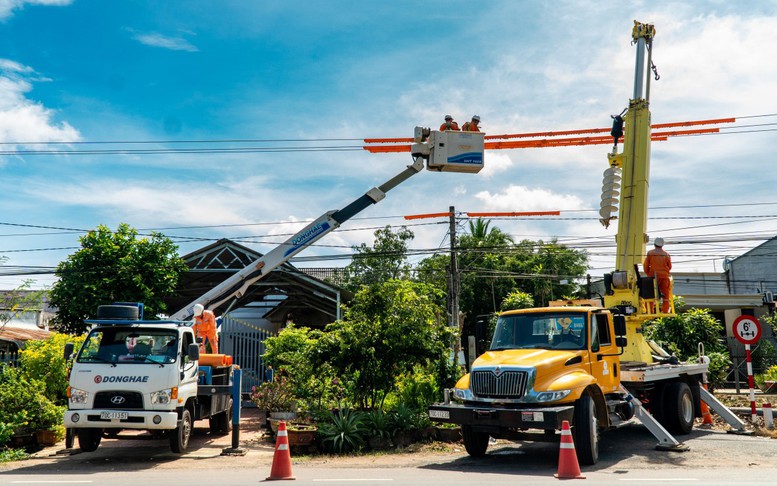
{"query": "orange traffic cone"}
(568, 467)
(281, 461)
(706, 416)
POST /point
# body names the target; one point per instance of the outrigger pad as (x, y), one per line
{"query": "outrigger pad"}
(673, 448)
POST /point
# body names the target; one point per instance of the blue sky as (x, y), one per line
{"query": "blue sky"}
(149, 71)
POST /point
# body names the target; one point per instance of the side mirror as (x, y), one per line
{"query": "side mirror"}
(194, 352)
(621, 341)
(68, 350)
(619, 323)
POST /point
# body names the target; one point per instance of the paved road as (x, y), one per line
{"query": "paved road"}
(627, 454)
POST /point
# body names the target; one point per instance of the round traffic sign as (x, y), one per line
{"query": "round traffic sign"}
(747, 329)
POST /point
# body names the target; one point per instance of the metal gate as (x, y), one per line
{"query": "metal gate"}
(245, 343)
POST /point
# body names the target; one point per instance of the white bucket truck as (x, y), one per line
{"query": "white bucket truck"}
(140, 374)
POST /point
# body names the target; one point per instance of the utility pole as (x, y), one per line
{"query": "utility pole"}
(454, 286)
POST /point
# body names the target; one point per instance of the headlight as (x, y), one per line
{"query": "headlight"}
(462, 394)
(161, 397)
(552, 396)
(78, 396)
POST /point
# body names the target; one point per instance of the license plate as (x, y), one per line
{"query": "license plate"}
(439, 414)
(113, 415)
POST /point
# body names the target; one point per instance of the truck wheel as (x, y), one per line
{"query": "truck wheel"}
(586, 431)
(221, 423)
(678, 411)
(476, 443)
(89, 439)
(179, 438)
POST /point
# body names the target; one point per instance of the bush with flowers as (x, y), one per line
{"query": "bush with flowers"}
(274, 396)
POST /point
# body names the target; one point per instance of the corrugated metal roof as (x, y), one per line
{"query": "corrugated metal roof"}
(19, 335)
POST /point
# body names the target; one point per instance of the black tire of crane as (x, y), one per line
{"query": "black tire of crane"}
(89, 439)
(117, 312)
(678, 408)
(586, 431)
(475, 443)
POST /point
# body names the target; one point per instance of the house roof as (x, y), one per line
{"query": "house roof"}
(20, 335)
(212, 264)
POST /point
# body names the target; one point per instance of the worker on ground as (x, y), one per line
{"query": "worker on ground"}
(658, 264)
(472, 125)
(449, 124)
(205, 328)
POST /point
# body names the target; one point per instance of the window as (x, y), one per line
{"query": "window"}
(602, 331)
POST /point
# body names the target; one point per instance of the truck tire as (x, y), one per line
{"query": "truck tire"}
(221, 423)
(89, 439)
(586, 431)
(678, 408)
(179, 438)
(117, 312)
(476, 443)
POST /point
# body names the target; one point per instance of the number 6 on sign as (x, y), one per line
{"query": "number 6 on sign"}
(747, 329)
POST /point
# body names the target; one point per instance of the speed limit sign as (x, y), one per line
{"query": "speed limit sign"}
(747, 329)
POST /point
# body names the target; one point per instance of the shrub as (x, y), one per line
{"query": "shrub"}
(378, 424)
(24, 404)
(44, 360)
(683, 333)
(343, 431)
(274, 396)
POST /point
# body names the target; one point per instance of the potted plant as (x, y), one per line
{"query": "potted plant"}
(276, 398)
(445, 432)
(301, 434)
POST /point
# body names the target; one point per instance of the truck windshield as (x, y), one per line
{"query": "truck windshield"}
(130, 345)
(548, 330)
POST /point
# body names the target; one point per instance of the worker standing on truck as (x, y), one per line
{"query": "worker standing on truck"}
(449, 124)
(205, 328)
(658, 264)
(472, 125)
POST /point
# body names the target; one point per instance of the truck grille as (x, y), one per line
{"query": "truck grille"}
(507, 384)
(119, 399)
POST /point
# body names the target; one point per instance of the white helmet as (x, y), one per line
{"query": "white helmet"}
(658, 241)
(198, 308)
(476, 118)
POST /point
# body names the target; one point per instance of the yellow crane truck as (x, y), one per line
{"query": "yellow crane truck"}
(589, 365)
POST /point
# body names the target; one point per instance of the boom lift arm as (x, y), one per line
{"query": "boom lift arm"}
(442, 151)
(628, 177)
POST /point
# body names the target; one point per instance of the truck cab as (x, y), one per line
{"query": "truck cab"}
(544, 366)
(140, 374)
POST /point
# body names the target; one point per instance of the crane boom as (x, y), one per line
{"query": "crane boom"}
(442, 151)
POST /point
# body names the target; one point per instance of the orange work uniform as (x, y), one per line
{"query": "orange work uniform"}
(470, 127)
(658, 264)
(449, 126)
(205, 327)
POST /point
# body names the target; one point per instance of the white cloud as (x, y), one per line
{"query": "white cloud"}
(166, 42)
(24, 120)
(8, 6)
(521, 198)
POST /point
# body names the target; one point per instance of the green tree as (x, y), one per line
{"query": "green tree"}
(390, 329)
(115, 267)
(385, 260)
(517, 299)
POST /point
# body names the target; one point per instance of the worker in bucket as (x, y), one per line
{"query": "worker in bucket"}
(449, 124)
(472, 125)
(205, 328)
(658, 264)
